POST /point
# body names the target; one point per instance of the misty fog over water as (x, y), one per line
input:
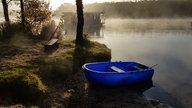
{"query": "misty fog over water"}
(156, 24)
(150, 32)
(166, 42)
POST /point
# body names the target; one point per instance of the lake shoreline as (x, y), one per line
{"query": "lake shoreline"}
(78, 92)
(75, 91)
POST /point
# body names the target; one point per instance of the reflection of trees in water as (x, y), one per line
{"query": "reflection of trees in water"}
(92, 31)
(96, 31)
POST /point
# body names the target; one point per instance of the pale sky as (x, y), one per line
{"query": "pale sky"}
(56, 3)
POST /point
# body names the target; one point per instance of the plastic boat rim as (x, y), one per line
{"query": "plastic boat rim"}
(84, 67)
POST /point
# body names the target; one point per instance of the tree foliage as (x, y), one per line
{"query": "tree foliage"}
(37, 14)
(33, 14)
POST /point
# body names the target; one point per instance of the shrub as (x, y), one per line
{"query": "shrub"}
(8, 30)
(48, 30)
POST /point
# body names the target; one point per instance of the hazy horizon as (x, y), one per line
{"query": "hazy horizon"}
(54, 4)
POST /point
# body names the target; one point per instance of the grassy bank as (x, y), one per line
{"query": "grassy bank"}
(30, 76)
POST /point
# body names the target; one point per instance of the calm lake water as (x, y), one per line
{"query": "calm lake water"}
(166, 42)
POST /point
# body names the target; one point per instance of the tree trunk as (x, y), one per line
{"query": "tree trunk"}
(5, 9)
(80, 22)
(22, 13)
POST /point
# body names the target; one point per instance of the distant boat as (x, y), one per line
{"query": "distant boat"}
(117, 73)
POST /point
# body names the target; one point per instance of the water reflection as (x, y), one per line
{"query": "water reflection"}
(170, 48)
(157, 92)
(95, 31)
(119, 96)
(136, 88)
(92, 31)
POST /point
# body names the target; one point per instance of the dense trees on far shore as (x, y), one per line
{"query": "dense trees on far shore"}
(141, 9)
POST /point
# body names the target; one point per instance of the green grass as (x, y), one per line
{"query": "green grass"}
(98, 52)
(56, 68)
(25, 79)
(22, 87)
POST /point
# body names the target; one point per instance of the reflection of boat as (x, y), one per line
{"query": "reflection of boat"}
(118, 97)
(117, 73)
(138, 88)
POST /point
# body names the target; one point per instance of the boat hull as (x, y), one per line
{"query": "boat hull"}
(100, 73)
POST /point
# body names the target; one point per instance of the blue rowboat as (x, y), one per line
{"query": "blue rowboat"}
(117, 73)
